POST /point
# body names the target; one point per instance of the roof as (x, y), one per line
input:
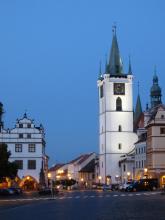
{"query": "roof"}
(56, 167)
(89, 168)
(81, 158)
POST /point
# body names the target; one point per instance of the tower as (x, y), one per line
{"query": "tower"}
(116, 136)
(155, 92)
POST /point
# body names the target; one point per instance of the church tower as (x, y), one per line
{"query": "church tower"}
(155, 92)
(116, 137)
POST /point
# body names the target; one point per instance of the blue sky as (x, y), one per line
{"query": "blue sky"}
(49, 62)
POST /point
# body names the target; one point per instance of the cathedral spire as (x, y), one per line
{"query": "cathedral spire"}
(115, 63)
(155, 92)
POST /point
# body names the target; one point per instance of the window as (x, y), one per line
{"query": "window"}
(118, 104)
(18, 148)
(136, 164)
(102, 164)
(31, 164)
(162, 130)
(142, 163)
(120, 129)
(139, 150)
(119, 146)
(32, 148)
(29, 125)
(20, 125)
(101, 91)
(162, 116)
(19, 164)
(144, 150)
(136, 150)
(139, 164)
(124, 167)
(20, 135)
(28, 135)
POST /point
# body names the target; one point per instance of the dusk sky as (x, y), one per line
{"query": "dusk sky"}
(49, 62)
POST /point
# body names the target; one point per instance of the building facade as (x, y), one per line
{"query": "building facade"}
(116, 136)
(26, 142)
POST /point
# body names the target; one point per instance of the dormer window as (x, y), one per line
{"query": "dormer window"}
(20, 125)
(29, 125)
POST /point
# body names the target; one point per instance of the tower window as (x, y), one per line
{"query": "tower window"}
(119, 146)
(118, 104)
(101, 91)
(120, 128)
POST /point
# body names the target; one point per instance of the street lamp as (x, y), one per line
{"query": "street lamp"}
(128, 175)
(145, 172)
(99, 177)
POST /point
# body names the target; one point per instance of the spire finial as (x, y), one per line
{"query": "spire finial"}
(155, 70)
(138, 87)
(114, 28)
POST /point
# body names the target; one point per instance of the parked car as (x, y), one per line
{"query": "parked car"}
(106, 187)
(6, 192)
(124, 186)
(143, 184)
(16, 190)
(48, 191)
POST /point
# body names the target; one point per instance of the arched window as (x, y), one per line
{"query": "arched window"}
(118, 104)
(120, 129)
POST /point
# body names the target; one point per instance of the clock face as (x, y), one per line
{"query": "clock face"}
(119, 89)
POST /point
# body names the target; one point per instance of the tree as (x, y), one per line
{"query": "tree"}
(7, 169)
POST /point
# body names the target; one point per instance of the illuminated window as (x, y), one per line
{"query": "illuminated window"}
(118, 104)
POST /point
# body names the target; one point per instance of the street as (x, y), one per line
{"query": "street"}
(86, 205)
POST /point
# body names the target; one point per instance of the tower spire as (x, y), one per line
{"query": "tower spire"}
(115, 63)
(130, 67)
(138, 108)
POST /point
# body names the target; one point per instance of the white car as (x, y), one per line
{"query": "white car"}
(124, 185)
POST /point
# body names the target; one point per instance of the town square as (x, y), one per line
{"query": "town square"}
(82, 113)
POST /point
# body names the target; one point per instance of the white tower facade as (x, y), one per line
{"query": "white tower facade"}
(116, 136)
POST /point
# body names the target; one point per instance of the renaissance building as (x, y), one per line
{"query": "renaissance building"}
(26, 142)
(116, 136)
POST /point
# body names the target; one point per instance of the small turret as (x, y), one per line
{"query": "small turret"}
(155, 91)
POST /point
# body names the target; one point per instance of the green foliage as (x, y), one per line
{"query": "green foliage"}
(7, 169)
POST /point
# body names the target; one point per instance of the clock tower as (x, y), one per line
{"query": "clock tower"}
(116, 137)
